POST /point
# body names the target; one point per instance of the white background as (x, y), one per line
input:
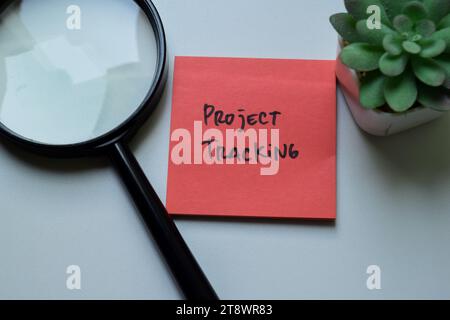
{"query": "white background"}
(393, 194)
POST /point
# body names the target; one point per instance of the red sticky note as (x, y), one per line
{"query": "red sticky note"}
(283, 112)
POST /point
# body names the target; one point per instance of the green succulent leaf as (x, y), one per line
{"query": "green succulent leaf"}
(445, 22)
(444, 62)
(437, 98)
(443, 34)
(411, 47)
(372, 36)
(437, 9)
(392, 44)
(361, 56)
(393, 66)
(402, 23)
(394, 7)
(345, 26)
(425, 27)
(428, 71)
(401, 92)
(358, 9)
(415, 10)
(432, 48)
(371, 93)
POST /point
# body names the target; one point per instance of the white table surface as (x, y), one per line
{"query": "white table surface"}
(393, 195)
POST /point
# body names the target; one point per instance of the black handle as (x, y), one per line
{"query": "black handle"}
(185, 268)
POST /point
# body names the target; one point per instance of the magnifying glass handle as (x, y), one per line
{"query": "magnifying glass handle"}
(185, 268)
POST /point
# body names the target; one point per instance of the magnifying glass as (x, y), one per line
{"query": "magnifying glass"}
(78, 78)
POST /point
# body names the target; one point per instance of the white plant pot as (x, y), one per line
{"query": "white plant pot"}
(377, 122)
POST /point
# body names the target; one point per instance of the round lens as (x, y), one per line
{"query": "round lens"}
(71, 71)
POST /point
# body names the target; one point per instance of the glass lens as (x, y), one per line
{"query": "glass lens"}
(71, 71)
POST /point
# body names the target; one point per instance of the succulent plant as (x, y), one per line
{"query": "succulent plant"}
(406, 60)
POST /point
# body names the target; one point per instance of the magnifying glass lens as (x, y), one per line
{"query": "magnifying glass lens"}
(71, 71)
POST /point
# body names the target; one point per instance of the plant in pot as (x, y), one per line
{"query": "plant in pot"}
(394, 62)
